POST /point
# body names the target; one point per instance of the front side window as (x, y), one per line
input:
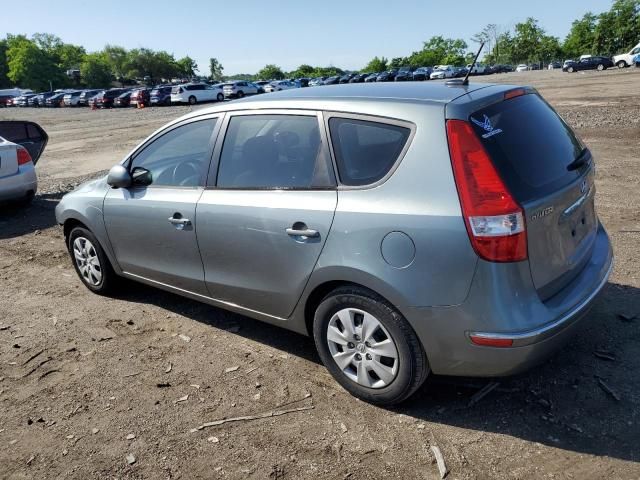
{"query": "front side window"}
(274, 151)
(365, 151)
(180, 157)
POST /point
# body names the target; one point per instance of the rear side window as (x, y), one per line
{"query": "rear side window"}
(273, 152)
(365, 151)
(529, 144)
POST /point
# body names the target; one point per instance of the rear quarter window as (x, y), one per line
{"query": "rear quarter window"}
(364, 150)
(533, 148)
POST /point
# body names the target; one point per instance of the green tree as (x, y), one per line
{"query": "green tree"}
(581, 37)
(303, 71)
(270, 72)
(187, 66)
(118, 60)
(618, 29)
(439, 51)
(398, 62)
(377, 64)
(215, 69)
(4, 69)
(71, 56)
(30, 66)
(96, 70)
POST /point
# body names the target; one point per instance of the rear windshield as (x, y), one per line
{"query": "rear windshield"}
(529, 144)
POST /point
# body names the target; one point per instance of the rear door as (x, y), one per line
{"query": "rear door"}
(549, 172)
(261, 228)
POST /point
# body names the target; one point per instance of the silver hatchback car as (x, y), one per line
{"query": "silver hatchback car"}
(409, 228)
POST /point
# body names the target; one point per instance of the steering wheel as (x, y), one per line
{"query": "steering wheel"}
(185, 171)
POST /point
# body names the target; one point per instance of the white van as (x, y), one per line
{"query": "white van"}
(626, 59)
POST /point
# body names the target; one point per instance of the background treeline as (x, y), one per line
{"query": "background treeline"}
(44, 59)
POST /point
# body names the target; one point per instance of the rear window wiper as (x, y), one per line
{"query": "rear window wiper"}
(583, 158)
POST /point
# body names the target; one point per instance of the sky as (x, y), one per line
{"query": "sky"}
(245, 35)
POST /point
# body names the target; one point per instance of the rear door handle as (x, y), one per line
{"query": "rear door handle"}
(179, 222)
(307, 232)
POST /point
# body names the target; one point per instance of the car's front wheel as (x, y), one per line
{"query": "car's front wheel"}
(622, 64)
(240, 94)
(600, 67)
(192, 100)
(570, 69)
(220, 97)
(368, 346)
(90, 261)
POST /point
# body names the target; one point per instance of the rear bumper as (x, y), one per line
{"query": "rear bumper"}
(17, 186)
(503, 303)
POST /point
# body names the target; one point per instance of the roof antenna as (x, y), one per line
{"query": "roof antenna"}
(465, 80)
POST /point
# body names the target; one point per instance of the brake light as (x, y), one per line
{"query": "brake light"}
(23, 156)
(514, 93)
(494, 220)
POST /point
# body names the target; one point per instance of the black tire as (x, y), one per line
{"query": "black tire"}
(167, 102)
(413, 366)
(570, 69)
(220, 97)
(622, 64)
(240, 94)
(192, 100)
(600, 67)
(108, 283)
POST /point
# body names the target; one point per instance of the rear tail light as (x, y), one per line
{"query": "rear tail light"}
(23, 156)
(491, 341)
(494, 220)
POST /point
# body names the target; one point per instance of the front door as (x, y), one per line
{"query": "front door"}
(263, 226)
(152, 229)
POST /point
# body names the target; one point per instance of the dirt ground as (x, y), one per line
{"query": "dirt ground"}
(89, 384)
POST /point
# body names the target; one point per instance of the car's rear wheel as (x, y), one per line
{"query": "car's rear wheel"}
(622, 64)
(240, 94)
(368, 346)
(220, 97)
(192, 100)
(90, 261)
(570, 69)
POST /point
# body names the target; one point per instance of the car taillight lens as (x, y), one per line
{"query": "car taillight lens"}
(494, 220)
(23, 156)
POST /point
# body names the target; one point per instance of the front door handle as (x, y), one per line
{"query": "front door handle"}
(301, 230)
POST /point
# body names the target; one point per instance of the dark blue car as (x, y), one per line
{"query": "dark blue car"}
(161, 95)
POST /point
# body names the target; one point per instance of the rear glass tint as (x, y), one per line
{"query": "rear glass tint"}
(529, 144)
(365, 151)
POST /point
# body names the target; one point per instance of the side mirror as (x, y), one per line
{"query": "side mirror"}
(119, 177)
(141, 177)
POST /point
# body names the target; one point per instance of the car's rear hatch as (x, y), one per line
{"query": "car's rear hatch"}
(548, 171)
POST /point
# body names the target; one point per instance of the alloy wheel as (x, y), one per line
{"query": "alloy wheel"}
(87, 261)
(362, 348)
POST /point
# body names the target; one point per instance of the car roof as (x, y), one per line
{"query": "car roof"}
(335, 96)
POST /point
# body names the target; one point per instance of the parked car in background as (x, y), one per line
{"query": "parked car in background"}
(122, 100)
(626, 59)
(589, 63)
(316, 82)
(636, 60)
(460, 72)
(388, 76)
(140, 96)
(346, 77)
(372, 77)
(161, 95)
(107, 98)
(478, 69)
(56, 100)
(238, 89)
(72, 99)
(279, 85)
(522, 68)
(23, 100)
(443, 71)
(404, 74)
(86, 95)
(358, 78)
(39, 100)
(261, 83)
(334, 80)
(193, 93)
(554, 66)
(422, 73)
(4, 100)
(21, 144)
(303, 82)
(338, 250)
